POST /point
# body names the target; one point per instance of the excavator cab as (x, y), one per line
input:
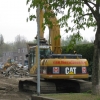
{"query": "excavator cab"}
(45, 52)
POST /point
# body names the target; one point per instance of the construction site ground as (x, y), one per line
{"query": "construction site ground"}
(9, 89)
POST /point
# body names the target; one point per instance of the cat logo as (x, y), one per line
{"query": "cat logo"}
(70, 70)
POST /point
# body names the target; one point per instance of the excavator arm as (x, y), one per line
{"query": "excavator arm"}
(54, 32)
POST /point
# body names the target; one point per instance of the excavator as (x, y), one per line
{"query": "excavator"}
(8, 64)
(58, 72)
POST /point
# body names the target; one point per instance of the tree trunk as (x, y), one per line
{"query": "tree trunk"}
(96, 64)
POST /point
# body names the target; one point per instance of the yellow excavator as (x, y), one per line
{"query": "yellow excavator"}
(58, 72)
(8, 64)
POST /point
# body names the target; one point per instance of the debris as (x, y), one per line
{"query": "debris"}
(15, 71)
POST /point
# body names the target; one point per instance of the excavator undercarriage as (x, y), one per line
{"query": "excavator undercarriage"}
(50, 86)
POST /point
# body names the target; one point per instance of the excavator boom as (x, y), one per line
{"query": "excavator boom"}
(54, 33)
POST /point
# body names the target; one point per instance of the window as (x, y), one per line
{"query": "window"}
(16, 58)
(20, 57)
(18, 50)
(23, 50)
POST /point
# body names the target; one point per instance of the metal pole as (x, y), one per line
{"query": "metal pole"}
(38, 51)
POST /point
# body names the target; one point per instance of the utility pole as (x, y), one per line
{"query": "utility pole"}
(38, 51)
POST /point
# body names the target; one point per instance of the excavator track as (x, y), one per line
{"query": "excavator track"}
(31, 86)
(55, 86)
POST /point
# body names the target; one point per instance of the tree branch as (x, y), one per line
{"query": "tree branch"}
(85, 15)
(93, 12)
(92, 3)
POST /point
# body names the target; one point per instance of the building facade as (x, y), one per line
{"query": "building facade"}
(18, 57)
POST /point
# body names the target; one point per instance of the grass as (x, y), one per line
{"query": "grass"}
(72, 96)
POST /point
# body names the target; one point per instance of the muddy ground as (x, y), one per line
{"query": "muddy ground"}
(9, 89)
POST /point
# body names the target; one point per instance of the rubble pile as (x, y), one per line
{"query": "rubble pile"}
(15, 71)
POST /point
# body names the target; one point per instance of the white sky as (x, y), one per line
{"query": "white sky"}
(13, 14)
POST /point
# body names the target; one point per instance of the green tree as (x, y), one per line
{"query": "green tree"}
(68, 39)
(82, 14)
(1, 39)
(1, 44)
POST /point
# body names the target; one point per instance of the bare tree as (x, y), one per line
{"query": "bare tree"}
(20, 41)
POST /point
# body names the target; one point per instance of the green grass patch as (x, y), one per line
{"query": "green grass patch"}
(72, 96)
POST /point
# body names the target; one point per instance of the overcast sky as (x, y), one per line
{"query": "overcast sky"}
(13, 14)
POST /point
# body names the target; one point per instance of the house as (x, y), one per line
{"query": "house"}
(18, 57)
(21, 56)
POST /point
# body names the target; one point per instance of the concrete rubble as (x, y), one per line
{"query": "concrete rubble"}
(15, 71)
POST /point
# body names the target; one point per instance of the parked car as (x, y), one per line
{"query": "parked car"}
(20, 65)
(25, 67)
